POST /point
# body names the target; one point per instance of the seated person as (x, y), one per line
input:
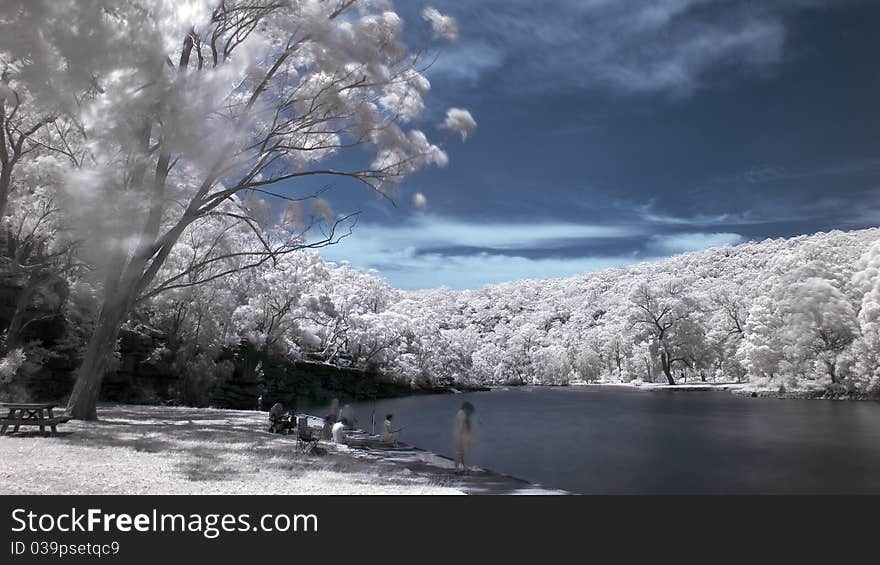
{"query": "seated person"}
(277, 418)
(338, 430)
(389, 435)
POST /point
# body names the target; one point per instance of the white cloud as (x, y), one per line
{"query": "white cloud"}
(429, 231)
(472, 271)
(679, 64)
(644, 46)
(684, 242)
(648, 213)
(426, 251)
(466, 62)
(698, 220)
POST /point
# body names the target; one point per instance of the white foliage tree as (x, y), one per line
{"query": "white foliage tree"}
(189, 106)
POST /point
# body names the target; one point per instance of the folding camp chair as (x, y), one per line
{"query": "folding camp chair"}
(306, 439)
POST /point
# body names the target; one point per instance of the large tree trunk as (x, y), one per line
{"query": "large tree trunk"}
(667, 367)
(120, 288)
(84, 398)
(118, 301)
(119, 296)
(830, 367)
(5, 163)
(5, 185)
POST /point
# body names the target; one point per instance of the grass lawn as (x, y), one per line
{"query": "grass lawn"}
(173, 450)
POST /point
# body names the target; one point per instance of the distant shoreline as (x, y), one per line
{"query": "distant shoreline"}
(738, 389)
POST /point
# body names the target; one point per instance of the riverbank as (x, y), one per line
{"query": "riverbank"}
(685, 387)
(173, 450)
(740, 389)
(805, 394)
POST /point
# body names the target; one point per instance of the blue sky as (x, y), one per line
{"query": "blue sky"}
(612, 132)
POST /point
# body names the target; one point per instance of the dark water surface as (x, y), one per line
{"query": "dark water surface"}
(607, 440)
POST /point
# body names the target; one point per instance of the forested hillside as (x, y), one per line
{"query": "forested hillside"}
(791, 313)
(797, 314)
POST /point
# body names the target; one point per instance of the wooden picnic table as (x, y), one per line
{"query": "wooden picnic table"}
(30, 414)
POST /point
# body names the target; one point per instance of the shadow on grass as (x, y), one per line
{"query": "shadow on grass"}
(34, 433)
(213, 445)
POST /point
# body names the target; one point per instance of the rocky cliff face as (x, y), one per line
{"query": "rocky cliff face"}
(138, 379)
(40, 327)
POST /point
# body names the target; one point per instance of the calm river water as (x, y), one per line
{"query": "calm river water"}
(607, 440)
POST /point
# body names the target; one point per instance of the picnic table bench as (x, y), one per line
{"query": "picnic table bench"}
(29, 414)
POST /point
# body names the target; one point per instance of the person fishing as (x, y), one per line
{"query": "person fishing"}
(389, 434)
(464, 436)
